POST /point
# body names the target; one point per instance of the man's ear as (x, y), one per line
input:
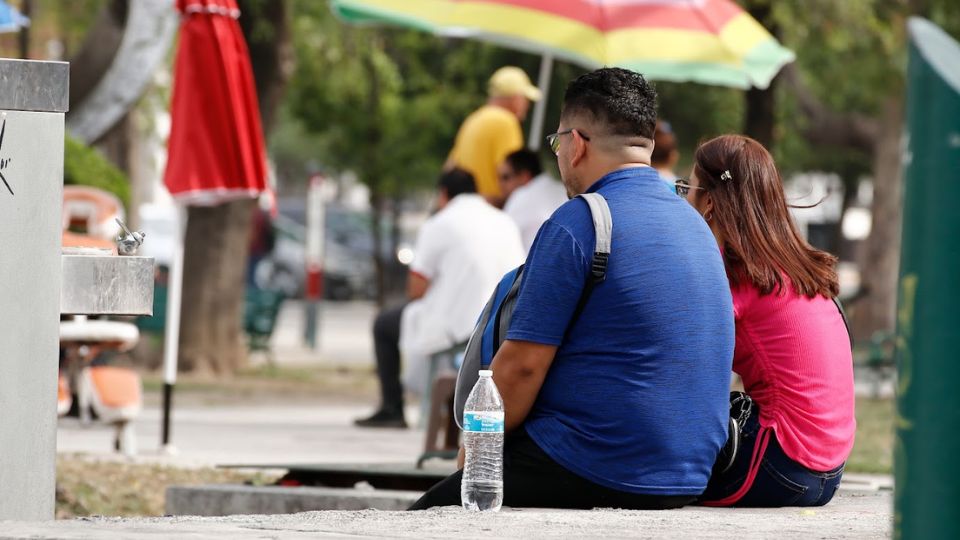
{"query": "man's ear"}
(442, 197)
(579, 148)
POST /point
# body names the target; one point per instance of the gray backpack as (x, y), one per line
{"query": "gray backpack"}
(494, 321)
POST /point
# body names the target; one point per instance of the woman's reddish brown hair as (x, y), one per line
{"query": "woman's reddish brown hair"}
(761, 242)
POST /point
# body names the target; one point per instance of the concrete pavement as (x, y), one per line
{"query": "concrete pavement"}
(272, 430)
(322, 432)
(343, 330)
(851, 515)
(253, 434)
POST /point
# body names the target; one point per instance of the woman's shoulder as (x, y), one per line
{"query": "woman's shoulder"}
(782, 299)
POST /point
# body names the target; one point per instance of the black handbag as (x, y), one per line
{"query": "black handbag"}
(741, 407)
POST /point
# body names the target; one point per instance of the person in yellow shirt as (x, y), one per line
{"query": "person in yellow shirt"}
(493, 131)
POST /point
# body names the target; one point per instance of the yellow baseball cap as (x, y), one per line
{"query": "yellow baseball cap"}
(513, 81)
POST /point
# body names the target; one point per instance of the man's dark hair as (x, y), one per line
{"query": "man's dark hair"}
(525, 160)
(618, 98)
(457, 181)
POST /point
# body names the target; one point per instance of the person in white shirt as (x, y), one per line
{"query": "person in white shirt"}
(461, 254)
(532, 195)
(665, 154)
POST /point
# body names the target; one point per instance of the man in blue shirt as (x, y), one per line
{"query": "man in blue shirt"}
(625, 405)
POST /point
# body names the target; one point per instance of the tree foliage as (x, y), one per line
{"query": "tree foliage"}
(385, 102)
(85, 166)
(843, 112)
(851, 59)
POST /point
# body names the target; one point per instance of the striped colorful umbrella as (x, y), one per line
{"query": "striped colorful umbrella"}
(11, 20)
(705, 41)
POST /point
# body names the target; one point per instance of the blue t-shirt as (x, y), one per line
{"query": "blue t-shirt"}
(637, 396)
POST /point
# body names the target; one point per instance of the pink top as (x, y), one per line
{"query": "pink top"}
(793, 354)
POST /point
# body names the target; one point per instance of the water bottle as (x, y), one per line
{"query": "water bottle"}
(482, 485)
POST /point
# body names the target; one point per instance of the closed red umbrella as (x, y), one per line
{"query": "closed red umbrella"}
(216, 150)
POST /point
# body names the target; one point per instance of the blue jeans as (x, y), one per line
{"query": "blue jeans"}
(780, 481)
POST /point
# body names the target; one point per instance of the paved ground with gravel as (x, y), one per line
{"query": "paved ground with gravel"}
(853, 514)
(209, 434)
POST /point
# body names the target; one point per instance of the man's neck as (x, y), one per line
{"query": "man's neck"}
(500, 102)
(604, 171)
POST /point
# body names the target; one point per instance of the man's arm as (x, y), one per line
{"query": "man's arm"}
(519, 369)
(417, 285)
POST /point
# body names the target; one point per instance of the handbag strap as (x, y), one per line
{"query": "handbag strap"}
(846, 323)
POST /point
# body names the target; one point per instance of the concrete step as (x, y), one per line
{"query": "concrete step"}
(233, 499)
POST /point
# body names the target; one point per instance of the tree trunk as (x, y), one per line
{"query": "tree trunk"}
(116, 145)
(26, 8)
(760, 115)
(215, 255)
(396, 207)
(881, 258)
(96, 54)
(850, 186)
(267, 31)
(217, 242)
(380, 271)
(371, 172)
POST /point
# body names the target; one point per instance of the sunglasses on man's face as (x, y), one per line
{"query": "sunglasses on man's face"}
(553, 140)
(684, 187)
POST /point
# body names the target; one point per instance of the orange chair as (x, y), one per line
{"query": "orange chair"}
(91, 212)
(64, 398)
(113, 393)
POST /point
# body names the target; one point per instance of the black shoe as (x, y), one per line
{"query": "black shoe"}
(382, 419)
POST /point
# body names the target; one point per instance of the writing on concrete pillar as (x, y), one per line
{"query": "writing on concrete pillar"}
(4, 162)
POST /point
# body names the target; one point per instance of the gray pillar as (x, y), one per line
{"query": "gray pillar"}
(33, 100)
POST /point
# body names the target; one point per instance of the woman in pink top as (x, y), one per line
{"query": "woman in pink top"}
(792, 345)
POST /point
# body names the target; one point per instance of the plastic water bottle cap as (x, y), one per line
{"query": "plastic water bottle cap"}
(486, 373)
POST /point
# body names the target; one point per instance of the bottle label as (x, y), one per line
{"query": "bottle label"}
(483, 422)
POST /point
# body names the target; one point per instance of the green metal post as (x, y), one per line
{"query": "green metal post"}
(927, 448)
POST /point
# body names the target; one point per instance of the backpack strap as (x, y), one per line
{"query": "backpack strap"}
(494, 329)
(603, 231)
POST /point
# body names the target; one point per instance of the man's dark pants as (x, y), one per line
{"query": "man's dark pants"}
(532, 479)
(386, 342)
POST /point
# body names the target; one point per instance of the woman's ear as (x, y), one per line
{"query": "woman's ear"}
(705, 205)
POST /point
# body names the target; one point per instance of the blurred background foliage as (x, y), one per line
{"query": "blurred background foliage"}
(425, 86)
(851, 57)
(384, 103)
(86, 166)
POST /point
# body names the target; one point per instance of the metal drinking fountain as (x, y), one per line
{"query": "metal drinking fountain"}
(39, 281)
